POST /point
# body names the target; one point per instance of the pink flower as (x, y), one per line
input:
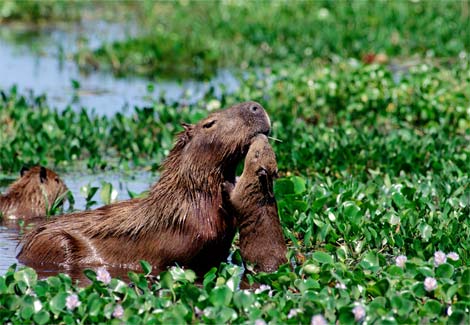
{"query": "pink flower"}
(318, 320)
(359, 313)
(103, 275)
(453, 256)
(439, 258)
(72, 302)
(293, 312)
(430, 284)
(260, 322)
(118, 311)
(401, 260)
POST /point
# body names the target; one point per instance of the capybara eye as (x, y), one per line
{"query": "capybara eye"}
(56, 180)
(209, 124)
(254, 108)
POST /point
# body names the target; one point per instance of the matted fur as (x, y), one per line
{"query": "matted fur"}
(30, 195)
(253, 204)
(181, 221)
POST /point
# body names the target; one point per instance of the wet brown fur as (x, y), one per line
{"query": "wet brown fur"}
(253, 204)
(32, 194)
(180, 222)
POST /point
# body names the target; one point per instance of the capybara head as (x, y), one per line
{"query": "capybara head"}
(221, 139)
(260, 159)
(40, 186)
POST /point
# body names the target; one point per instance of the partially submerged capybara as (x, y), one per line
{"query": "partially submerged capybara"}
(32, 194)
(253, 204)
(180, 222)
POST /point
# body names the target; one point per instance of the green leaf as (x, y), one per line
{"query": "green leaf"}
(221, 296)
(445, 271)
(146, 267)
(243, 299)
(283, 186)
(26, 275)
(323, 257)
(57, 304)
(299, 184)
(41, 317)
(433, 307)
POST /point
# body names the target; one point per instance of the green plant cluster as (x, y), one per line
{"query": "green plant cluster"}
(321, 289)
(195, 38)
(35, 11)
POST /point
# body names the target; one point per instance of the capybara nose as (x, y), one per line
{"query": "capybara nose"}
(257, 110)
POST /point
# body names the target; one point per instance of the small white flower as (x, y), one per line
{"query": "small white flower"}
(359, 313)
(72, 302)
(449, 310)
(118, 311)
(103, 275)
(213, 105)
(401, 260)
(453, 256)
(340, 285)
(37, 305)
(293, 312)
(262, 288)
(318, 320)
(323, 13)
(430, 284)
(260, 322)
(439, 258)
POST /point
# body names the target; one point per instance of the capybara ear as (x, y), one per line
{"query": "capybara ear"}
(188, 131)
(23, 170)
(43, 174)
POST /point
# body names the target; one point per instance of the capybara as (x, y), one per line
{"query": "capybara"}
(251, 200)
(180, 222)
(32, 194)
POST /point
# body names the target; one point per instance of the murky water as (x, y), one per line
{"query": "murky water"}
(50, 70)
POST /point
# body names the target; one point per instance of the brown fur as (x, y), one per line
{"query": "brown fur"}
(32, 194)
(180, 222)
(253, 204)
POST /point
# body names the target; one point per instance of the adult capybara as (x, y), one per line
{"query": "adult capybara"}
(253, 204)
(32, 194)
(180, 222)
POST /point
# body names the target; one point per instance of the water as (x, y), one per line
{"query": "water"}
(50, 70)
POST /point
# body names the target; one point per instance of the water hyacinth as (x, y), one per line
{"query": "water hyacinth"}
(401, 260)
(430, 284)
(453, 256)
(359, 313)
(118, 311)
(318, 320)
(439, 258)
(72, 302)
(103, 275)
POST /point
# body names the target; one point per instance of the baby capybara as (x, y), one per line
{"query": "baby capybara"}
(32, 194)
(253, 204)
(180, 222)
